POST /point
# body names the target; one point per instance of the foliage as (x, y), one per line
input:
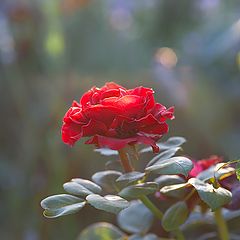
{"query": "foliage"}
(136, 218)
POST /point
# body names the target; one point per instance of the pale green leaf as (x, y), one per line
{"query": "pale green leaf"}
(130, 177)
(106, 151)
(175, 216)
(172, 142)
(107, 180)
(109, 203)
(213, 197)
(174, 187)
(174, 165)
(166, 180)
(149, 236)
(81, 187)
(62, 204)
(163, 155)
(101, 231)
(138, 190)
(136, 218)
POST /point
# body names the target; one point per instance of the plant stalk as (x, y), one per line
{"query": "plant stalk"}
(125, 161)
(149, 204)
(221, 224)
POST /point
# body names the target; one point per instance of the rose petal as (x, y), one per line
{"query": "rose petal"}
(168, 113)
(150, 124)
(131, 106)
(140, 91)
(76, 104)
(116, 144)
(71, 133)
(110, 93)
(112, 85)
(93, 127)
(105, 114)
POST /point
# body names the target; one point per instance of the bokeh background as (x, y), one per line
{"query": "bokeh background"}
(51, 52)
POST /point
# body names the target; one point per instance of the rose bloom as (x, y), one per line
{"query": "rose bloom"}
(114, 116)
(204, 164)
(231, 183)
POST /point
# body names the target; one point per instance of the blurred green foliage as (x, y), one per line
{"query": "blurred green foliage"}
(51, 52)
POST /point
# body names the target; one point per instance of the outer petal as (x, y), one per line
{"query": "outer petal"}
(112, 143)
(110, 93)
(148, 125)
(168, 114)
(140, 91)
(93, 127)
(151, 125)
(86, 99)
(116, 143)
(71, 132)
(112, 85)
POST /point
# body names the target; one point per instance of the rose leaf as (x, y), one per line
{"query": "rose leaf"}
(136, 218)
(138, 190)
(109, 203)
(175, 216)
(62, 204)
(174, 165)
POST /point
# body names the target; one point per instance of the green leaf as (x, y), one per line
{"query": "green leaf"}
(166, 180)
(213, 197)
(106, 151)
(174, 187)
(219, 174)
(138, 190)
(101, 231)
(175, 216)
(136, 218)
(62, 204)
(174, 165)
(109, 203)
(107, 180)
(93, 187)
(130, 177)
(238, 170)
(163, 155)
(172, 142)
(81, 187)
(149, 236)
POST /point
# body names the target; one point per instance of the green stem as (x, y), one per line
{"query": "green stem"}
(125, 161)
(221, 224)
(149, 204)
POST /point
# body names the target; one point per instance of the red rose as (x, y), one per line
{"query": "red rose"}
(114, 116)
(204, 164)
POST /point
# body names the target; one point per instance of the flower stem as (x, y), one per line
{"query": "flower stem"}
(149, 204)
(221, 224)
(125, 161)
